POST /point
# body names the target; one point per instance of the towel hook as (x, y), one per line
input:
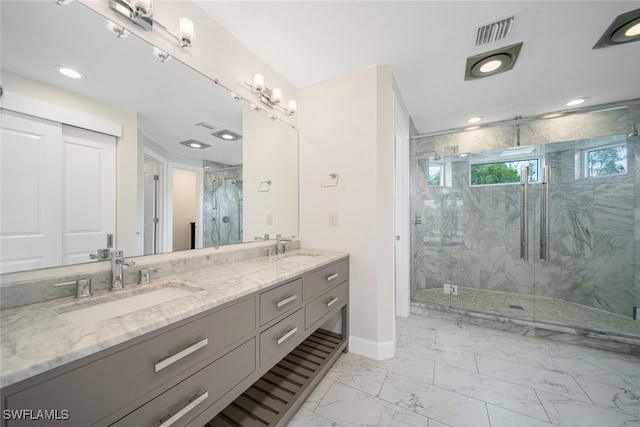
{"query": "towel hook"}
(265, 189)
(335, 177)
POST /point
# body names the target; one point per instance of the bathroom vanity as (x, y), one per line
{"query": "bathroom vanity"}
(247, 332)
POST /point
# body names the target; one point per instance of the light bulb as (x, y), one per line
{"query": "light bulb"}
(258, 82)
(490, 66)
(293, 107)
(276, 95)
(186, 32)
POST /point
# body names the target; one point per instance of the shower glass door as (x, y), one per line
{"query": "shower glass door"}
(588, 279)
(497, 194)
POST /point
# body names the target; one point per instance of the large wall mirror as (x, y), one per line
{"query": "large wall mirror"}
(140, 147)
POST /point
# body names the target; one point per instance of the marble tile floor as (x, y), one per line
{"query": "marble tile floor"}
(530, 308)
(460, 375)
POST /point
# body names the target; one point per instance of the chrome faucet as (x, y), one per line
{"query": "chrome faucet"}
(117, 270)
(279, 242)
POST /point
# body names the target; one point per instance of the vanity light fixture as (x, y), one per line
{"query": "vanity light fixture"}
(140, 12)
(272, 98)
(69, 72)
(493, 62)
(192, 143)
(227, 135)
(624, 29)
(576, 101)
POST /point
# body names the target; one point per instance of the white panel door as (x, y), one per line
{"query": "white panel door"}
(30, 158)
(88, 192)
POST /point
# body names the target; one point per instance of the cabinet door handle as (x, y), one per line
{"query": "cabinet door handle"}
(286, 336)
(182, 412)
(333, 276)
(286, 301)
(184, 353)
(332, 301)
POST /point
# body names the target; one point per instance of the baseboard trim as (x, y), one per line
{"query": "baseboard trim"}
(375, 350)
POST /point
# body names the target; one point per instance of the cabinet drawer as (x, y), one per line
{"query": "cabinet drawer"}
(280, 300)
(278, 340)
(95, 390)
(324, 278)
(326, 303)
(180, 404)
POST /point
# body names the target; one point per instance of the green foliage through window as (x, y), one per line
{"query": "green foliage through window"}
(607, 161)
(502, 172)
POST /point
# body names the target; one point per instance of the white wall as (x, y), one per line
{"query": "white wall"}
(346, 126)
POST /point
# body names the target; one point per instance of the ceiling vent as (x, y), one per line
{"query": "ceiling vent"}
(494, 32)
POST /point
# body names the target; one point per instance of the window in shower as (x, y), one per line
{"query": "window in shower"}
(605, 161)
(502, 172)
(436, 175)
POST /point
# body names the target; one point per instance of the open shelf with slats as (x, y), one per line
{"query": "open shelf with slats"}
(274, 398)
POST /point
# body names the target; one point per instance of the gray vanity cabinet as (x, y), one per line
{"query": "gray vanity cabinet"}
(324, 278)
(92, 392)
(280, 300)
(187, 373)
(180, 404)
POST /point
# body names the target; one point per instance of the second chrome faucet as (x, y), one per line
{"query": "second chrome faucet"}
(118, 262)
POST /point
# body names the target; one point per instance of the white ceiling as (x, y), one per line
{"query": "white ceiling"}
(426, 43)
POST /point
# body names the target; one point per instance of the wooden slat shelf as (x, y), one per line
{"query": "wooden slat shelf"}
(272, 399)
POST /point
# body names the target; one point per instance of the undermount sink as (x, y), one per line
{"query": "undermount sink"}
(119, 303)
(299, 254)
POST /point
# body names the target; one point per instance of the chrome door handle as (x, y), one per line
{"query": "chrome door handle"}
(286, 336)
(180, 355)
(182, 412)
(524, 215)
(333, 276)
(332, 301)
(545, 218)
(286, 301)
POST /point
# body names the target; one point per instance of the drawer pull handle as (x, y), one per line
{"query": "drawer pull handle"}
(182, 412)
(287, 336)
(184, 353)
(333, 276)
(286, 301)
(332, 301)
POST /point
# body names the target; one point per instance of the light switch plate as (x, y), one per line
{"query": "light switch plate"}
(333, 219)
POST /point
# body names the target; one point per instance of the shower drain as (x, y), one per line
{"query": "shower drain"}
(518, 307)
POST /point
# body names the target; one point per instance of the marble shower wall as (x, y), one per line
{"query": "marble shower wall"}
(470, 236)
(222, 204)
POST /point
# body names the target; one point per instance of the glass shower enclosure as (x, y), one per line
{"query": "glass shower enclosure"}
(546, 233)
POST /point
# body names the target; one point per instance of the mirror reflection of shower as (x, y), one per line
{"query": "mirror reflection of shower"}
(222, 204)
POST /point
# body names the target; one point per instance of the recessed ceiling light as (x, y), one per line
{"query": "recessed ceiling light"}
(624, 29)
(493, 62)
(475, 119)
(576, 101)
(192, 143)
(69, 72)
(227, 135)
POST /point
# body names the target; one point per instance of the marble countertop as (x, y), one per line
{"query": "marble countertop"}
(35, 338)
